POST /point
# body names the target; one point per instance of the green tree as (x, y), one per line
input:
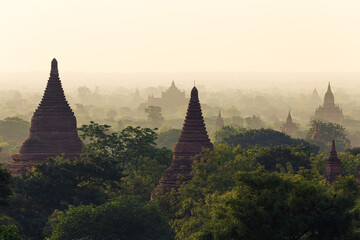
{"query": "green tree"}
(262, 137)
(121, 218)
(277, 206)
(254, 122)
(168, 138)
(14, 128)
(330, 131)
(154, 117)
(9, 232)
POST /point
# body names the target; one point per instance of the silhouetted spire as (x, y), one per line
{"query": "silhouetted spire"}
(53, 129)
(289, 118)
(332, 165)
(192, 139)
(329, 96)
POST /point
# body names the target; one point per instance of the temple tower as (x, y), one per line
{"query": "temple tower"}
(289, 127)
(219, 123)
(329, 111)
(192, 140)
(53, 129)
(332, 165)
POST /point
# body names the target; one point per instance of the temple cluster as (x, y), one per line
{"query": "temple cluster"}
(53, 132)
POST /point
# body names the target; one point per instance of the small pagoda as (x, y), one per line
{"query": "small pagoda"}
(332, 165)
(192, 140)
(53, 130)
(289, 127)
(219, 123)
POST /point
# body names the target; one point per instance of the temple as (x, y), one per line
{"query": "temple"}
(329, 111)
(316, 135)
(192, 140)
(53, 129)
(289, 127)
(170, 100)
(332, 165)
(219, 123)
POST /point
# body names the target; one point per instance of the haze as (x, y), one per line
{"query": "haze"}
(180, 36)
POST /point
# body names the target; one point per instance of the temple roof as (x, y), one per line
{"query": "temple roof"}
(333, 154)
(194, 127)
(289, 118)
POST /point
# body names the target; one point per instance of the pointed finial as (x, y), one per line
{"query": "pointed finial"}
(333, 149)
(289, 118)
(54, 67)
(194, 95)
(194, 83)
(329, 87)
(219, 113)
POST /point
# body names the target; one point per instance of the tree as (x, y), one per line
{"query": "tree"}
(330, 131)
(14, 128)
(155, 118)
(168, 138)
(262, 137)
(254, 122)
(121, 218)
(277, 206)
(9, 232)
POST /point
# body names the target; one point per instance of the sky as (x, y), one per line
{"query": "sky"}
(180, 35)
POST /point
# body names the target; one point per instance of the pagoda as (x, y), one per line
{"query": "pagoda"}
(53, 129)
(332, 165)
(329, 111)
(192, 140)
(289, 127)
(219, 123)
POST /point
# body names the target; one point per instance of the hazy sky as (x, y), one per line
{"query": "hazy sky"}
(181, 35)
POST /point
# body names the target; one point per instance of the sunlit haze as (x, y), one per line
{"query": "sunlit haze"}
(181, 36)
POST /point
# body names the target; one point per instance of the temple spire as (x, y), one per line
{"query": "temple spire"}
(333, 164)
(192, 140)
(53, 129)
(289, 118)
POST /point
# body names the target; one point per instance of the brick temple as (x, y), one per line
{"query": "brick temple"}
(219, 123)
(53, 129)
(192, 140)
(333, 165)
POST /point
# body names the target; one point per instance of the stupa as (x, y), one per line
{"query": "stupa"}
(53, 129)
(219, 123)
(192, 140)
(289, 127)
(316, 135)
(332, 165)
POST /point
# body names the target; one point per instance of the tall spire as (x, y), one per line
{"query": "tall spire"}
(219, 123)
(333, 164)
(53, 129)
(192, 140)
(289, 118)
(329, 96)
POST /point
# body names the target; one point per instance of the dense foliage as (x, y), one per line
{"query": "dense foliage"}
(256, 184)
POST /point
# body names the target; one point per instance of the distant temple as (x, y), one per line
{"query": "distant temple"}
(289, 127)
(53, 129)
(329, 111)
(332, 165)
(316, 135)
(192, 139)
(219, 123)
(169, 100)
(315, 98)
